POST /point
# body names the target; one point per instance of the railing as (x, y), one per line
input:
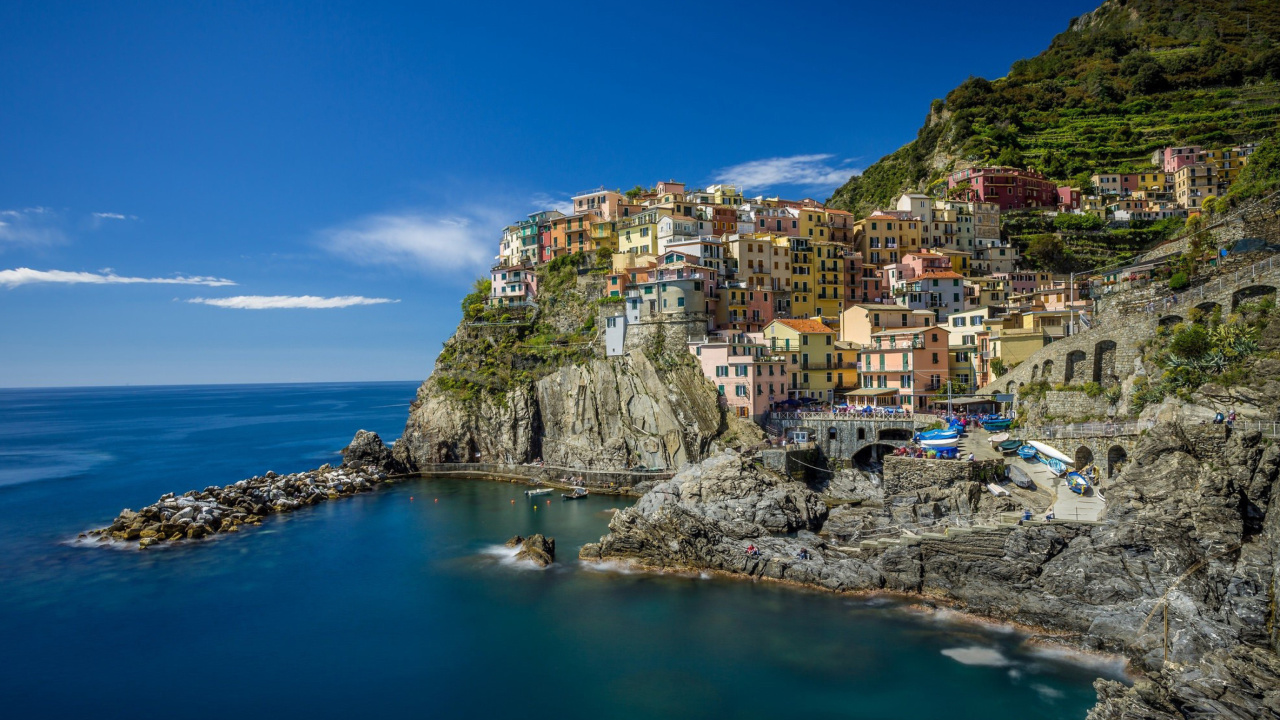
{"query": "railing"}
(1088, 430)
(902, 419)
(1268, 429)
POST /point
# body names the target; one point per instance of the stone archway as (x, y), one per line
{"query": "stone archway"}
(896, 434)
(1075, 365)
(1245, 294)
(1035, 372)
(1047, 372)
(1208, 308)
(871, 455)
(1084, 457)
(1104, 363)
(1170, 320)
(1116, 458)
(832, 433)
(1009, 387)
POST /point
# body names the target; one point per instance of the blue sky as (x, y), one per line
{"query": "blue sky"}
(208, 192)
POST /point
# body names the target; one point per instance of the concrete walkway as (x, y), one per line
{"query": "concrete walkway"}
(1050, 492)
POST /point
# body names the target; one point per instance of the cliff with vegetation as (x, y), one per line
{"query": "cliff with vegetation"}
(1121, 82)
(515, 385)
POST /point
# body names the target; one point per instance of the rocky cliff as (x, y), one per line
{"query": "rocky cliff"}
(1193, 530)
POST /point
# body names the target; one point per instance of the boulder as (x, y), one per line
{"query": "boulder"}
(539, 550)
(366, 448)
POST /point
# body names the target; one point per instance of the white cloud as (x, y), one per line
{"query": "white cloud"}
(446, 245)
(30, 226)
(278, 302)
(798, 170)
(113, 216)
(543, 201)
(27, 276)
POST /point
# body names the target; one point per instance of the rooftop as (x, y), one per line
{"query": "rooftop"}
(804, 326)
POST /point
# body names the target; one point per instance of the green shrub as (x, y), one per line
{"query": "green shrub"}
(1190, 342)
(1179, 281)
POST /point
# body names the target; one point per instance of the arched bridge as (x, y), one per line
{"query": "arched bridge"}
(850, 437)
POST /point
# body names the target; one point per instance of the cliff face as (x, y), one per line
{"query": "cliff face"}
(1193, 528)
(612, 413)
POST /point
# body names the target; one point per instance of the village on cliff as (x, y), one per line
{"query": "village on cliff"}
(790, 303)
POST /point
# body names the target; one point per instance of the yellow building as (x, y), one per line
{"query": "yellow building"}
(831, 280)
(761, 261)
(804, 288)
(809, 348)
(639, 233)
(886, 237)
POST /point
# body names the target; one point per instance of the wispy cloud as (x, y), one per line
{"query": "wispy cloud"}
(446, 245)
(27, 276)
(30, 226)
(543, 201)
(114, 216)
(810, 171)
(287, 302)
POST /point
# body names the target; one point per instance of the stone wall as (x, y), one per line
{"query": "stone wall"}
(841, 437)
(905, 475)
(1074, 405)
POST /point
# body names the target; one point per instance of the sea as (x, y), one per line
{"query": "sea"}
(403, 603)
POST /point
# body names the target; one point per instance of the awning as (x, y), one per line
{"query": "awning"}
(968, 400)
(873, 392)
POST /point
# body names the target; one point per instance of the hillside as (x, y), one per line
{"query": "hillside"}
(1120, 82)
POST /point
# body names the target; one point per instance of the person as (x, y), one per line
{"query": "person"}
(1217, 419)
(970, 457)
(1026, 514)
(752, 551)
(1231, 418)
(1048, 516)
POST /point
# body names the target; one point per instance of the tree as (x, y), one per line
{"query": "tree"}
(998, 367)
(1047, 251)
(473, 303)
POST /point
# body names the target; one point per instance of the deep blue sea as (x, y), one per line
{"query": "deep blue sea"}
(399, 603)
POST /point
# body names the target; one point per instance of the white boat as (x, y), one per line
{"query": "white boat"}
(940, 443)
(539, 491)
(997, 490)
(998, 438)
(1050, 452)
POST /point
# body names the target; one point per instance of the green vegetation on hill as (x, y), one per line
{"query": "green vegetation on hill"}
(1076, 243)
(1129, 78)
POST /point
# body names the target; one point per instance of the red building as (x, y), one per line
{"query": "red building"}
(1010, 188)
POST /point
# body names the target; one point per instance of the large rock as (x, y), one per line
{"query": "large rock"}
(366, 448)
(539, 550)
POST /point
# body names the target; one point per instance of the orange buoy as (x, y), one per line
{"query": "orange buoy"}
(437, 500)
(410, 498)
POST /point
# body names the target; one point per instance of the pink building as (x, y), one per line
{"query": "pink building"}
(747, 377)
(903, 366)
(1010, 188)
(1068, 198)
(1171, 158)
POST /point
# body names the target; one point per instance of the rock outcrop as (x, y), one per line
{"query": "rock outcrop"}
(199, 514)
(1193, 528)
(539, 550)
(611, 414)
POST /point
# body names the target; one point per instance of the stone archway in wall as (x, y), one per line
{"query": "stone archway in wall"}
(833, 433)
(896, 435)
(1009, 387)
(1208, 308)
(1170, 320)
(1116, 458)
(1035, 373)
(1075, 365)
(1084, 457)
(1047, 372)
(1104, 364)
(1248, 294)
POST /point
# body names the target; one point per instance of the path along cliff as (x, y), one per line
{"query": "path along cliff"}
(1193, 530)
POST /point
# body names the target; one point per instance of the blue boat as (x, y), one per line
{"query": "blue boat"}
(1077, 483)
(1056, 466)
(997, 424)
(1026, 452)
(938, 435)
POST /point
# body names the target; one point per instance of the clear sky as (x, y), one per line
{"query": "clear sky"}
(210, 192)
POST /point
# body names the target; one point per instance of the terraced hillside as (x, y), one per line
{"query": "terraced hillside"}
(1130, 77)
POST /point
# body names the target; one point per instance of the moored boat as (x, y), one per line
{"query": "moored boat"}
(936, 443)
(997, 424)
(1026, 452)
(1056, 466)
(1077, 483)
(1051, 452)
(577, 494)
(998, 438)
(538, 491)
(1020, 477)
(1009, 446)
(938, 435)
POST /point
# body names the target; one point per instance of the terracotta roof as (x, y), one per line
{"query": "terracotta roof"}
(804, 326)
(939, 275)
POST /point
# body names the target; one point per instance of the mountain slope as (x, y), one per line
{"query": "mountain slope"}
(1120, 82)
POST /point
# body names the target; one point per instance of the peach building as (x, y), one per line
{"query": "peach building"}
(746, 375)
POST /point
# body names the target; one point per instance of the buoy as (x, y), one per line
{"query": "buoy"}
(513, 502)
(437, 500)
(410, 498)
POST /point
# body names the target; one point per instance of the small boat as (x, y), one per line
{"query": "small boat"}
(1026, 452)
(1051, 452)
(999, 438)
(936, 443)
(1056, 466)
(539, 491)
(1020, 477)
(997, 490)
(577, 494)
(997, 424)
(1077, 483)
(1009, 446)
(938, 435)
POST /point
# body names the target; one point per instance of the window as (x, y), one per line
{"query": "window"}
(935, 358)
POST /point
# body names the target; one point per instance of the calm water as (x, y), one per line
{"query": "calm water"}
(398, 604)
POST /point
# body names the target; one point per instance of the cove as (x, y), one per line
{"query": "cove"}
(386, 606)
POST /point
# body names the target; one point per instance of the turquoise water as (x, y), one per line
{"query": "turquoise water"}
(400, 603)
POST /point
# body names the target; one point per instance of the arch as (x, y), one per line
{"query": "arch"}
(1047, 372)
(1246, 294)
(862, 433)
(870, 455)
(1116, 458)
(1170, 320)
(1104, 363)
(1209, 307)
(1021, 385)
(1084, 457)
(1009, 387)
(1075, 364)
(832, 433)
(895, 434)
(1035, 372)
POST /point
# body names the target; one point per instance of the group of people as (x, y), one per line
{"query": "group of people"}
(754, 552)
(1167, 303)
(1229, 419)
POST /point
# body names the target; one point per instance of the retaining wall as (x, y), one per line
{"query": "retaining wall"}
(905, 475)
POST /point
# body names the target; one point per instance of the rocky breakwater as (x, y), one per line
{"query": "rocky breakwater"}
(536, 549)
(196, 514)
(1192, 530)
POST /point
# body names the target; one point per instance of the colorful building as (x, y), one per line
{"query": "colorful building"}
(912, 362)
(746, 374)
(1009, 188)
(809, 347)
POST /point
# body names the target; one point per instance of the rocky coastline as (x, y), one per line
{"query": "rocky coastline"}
(198, 514)
(1193, 531)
